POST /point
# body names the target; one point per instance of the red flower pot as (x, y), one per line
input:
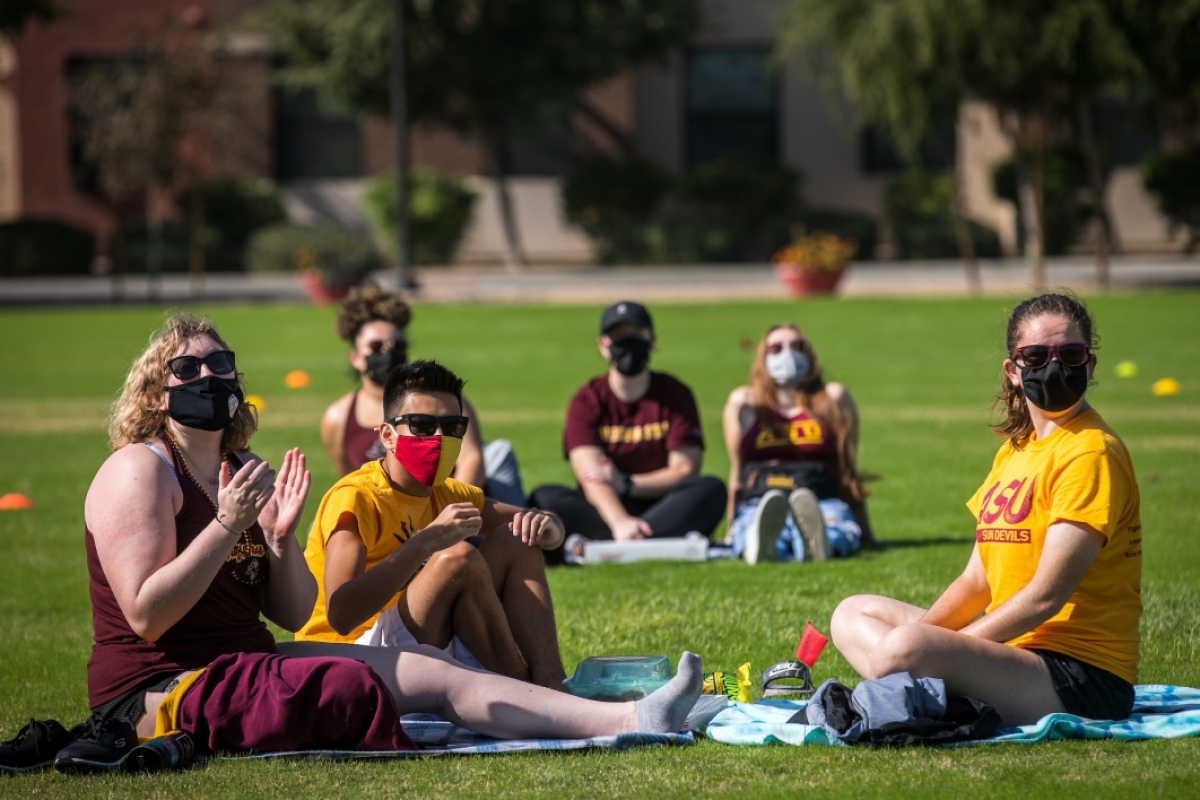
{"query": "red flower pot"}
(801, 283)
(319, 290)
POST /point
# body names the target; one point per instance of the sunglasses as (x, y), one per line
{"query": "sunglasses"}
(219, 362)
(800, 346)
(378, 346)
(427, 424)
(1036, 356)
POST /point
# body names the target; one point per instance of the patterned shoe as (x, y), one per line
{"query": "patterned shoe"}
(806, 511)
(35, 746)
(768, 521)
(99, 747)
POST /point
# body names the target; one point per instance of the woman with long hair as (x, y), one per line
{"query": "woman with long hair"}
(1044, 618)
(795, 492)
(190, 538)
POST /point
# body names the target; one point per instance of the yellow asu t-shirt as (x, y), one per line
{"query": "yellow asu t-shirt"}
(386, 519)
(1080, 473)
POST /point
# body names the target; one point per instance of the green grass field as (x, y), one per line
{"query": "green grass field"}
(923, 373)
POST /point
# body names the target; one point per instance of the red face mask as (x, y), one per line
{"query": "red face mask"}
(429, 459)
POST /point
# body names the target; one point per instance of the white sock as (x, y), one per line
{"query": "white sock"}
(665, 710)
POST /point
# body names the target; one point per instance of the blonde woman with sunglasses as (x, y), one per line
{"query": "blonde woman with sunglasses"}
(795, 492)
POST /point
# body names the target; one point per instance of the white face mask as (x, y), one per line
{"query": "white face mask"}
(787, 366)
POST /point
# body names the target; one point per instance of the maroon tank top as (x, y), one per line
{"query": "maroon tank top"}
(803, 437)
(358, 443)
(225, 619)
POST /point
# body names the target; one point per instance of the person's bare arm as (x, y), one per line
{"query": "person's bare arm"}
(470, 466)
(731, 426)
(291, 591)
(1069, 551)
(841, 395)
(130, 510)
(590, 464)
(333, 432)
(533, 526)
(355, 594)
(964, 599)
(682, 464)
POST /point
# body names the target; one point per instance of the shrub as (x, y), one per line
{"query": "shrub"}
(1173, 178)
(234, 208)
(32, 246)
(860, 227)
(754, 194)
(611, 201)
(439, 210)
(131, 246)
(919, 205)
(343, 258)
(1065, 196)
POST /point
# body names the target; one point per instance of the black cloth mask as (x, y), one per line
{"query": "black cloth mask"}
(380, 365)
(630, 356)
(207, 404)
(1054, 387)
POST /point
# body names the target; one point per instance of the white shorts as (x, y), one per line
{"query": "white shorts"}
(390, 631)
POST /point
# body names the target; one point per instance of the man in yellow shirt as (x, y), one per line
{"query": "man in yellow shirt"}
(1044, 619)
(404, 555)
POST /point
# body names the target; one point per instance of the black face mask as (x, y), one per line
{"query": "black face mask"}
(380, 365)
(630, 356)
(207, 404)
(1054, 387)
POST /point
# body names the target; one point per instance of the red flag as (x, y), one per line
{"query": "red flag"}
(811, 645)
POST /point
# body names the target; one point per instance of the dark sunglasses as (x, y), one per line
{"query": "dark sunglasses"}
(1036, 356)
(800, 346)
(219, 362)
(378, 345)
(427, 424)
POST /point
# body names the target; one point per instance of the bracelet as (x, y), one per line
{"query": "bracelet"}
(232, 530)
(626, 485)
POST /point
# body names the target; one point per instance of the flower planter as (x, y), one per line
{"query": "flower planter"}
(320, 289)
(802, 283)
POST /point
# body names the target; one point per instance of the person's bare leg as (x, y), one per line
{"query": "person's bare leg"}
(1013, 680)
(424, 679)
(453, 595)
(519, 576)
(860, 621)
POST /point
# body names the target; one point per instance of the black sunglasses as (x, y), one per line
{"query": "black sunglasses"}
(220, 362)
(379, 346)
(427, 424)
(1036, 356)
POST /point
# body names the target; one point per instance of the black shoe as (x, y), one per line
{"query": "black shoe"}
(99, 747)
(35, 746)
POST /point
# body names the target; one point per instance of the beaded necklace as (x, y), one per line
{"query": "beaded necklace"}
(246, 550)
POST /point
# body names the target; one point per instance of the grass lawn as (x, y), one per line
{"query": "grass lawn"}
(923, 373)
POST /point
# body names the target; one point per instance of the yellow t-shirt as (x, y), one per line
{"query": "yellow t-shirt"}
(1080, 473)
(386, 519)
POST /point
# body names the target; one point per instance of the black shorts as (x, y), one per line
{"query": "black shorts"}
(1087, 691)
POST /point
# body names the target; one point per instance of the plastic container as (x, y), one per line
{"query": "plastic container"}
(619, 678)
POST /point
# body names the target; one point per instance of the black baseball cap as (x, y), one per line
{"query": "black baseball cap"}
(625, 311)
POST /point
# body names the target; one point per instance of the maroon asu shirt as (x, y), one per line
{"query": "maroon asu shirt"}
(637, 436)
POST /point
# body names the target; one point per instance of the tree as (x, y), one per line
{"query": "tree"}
(476, 66)
(15, 13)
(1039, 64)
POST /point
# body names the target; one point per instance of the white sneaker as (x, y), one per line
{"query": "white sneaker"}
(573, 552)
(807, 514)
(768, 521)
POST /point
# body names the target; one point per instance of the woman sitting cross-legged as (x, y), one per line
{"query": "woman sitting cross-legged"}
(190, 537)
(794, 488)
(1044, 618)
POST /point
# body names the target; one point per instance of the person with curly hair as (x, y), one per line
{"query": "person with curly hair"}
(190, 542)
(374, 322)
(1044, 618)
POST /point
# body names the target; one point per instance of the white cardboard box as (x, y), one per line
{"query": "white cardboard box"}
(643, 549)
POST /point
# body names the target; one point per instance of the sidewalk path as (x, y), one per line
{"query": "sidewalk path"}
(590, 284)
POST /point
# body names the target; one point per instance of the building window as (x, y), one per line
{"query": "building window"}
(732, 105)
(315, 138)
